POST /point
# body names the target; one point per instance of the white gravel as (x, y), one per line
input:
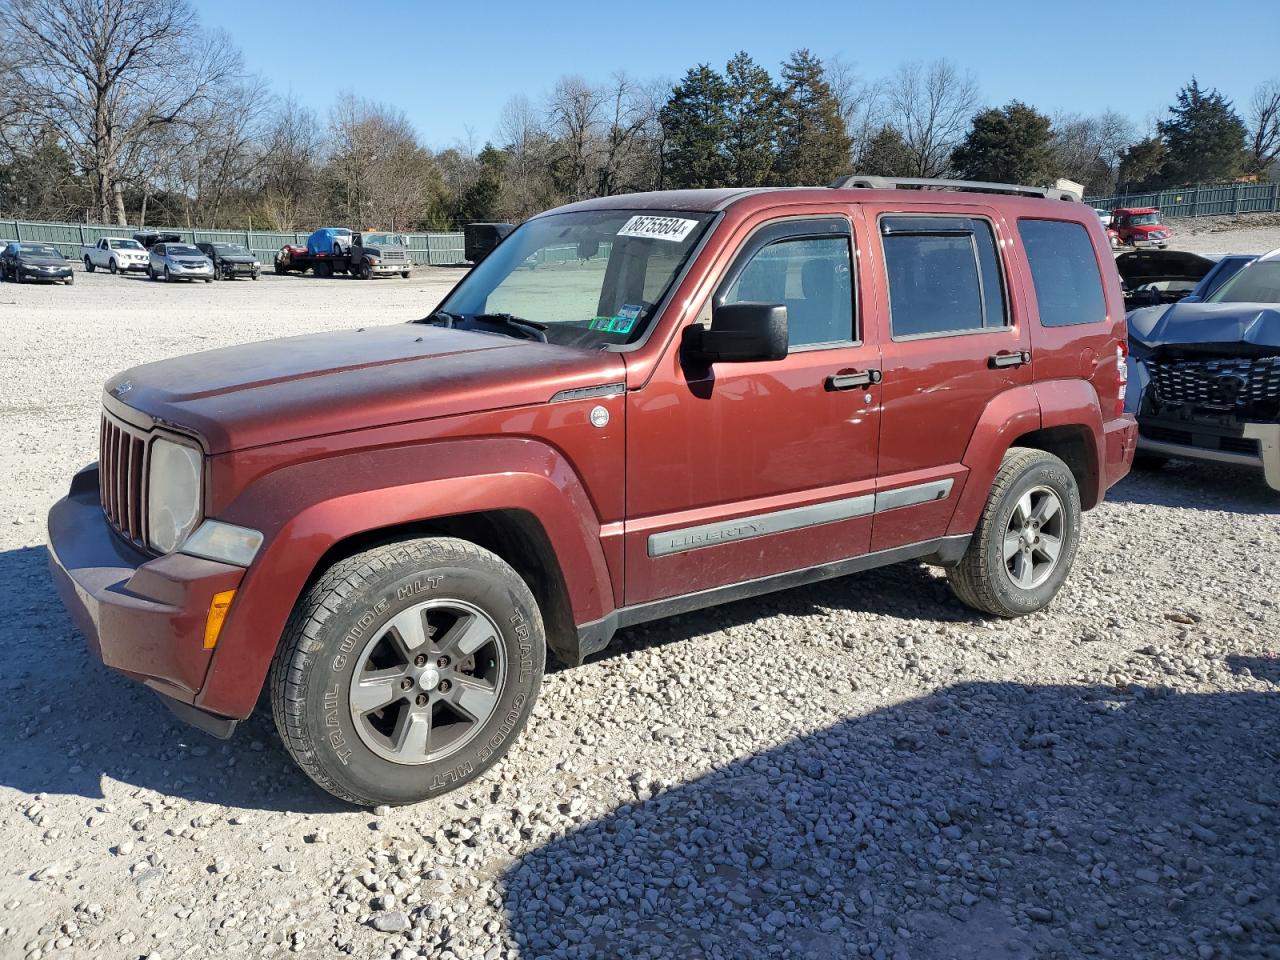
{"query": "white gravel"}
(1249, 233)
(856, 769)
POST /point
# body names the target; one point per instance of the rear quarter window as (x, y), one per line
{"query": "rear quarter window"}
(1065, 272)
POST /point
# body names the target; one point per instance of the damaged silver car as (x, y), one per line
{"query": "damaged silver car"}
(1204, 374)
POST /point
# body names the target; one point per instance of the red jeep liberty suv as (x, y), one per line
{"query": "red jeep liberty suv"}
(634, 407)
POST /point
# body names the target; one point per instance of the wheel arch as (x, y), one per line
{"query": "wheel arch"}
(515, 497)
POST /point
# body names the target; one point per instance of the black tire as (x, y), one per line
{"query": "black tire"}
(323, 269)
(71, 278)
(168, 277)
(404, 274)
(337, 250)
(113, 266)
(88, 265)
(983, 579)
(366, 271)
(314, 669)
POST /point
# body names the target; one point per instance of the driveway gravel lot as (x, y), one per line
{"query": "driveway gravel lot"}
(856, 769)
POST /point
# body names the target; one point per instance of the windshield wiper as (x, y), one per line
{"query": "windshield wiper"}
(501, 323)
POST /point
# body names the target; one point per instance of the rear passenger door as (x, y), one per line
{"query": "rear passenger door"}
(952, 339)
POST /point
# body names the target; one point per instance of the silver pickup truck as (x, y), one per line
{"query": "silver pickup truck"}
(117, 254)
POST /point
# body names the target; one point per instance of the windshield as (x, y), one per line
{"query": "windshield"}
(182, 250)
(1257, 283)
(383, 240)
(230, 250)
(39, 250)
(124, 245)
(594, 277)
(1143, 220)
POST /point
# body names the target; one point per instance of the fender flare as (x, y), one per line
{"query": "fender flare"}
(1017, 412)
(306, 509)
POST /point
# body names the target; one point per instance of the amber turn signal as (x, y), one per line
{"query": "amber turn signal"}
(218, 608)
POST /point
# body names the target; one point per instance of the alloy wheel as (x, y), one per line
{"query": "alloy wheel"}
(427, 681)
(1033, 538)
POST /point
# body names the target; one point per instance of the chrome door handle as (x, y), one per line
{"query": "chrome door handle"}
(848, 381)
(1009, 359)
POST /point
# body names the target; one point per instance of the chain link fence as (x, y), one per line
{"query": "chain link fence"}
(433, 249)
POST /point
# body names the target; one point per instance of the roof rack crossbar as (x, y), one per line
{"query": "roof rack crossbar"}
(868, 182)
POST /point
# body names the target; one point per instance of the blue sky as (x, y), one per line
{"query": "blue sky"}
(452, 65)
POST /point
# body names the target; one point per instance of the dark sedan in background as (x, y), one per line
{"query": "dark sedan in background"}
(25, 262)
(231, 260)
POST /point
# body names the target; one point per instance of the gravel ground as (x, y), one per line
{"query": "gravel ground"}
(1252, 233)
(861, 768)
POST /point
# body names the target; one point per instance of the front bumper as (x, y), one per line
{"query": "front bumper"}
(1255, 445)
(44, 273)
(383, 269)
(143, 616)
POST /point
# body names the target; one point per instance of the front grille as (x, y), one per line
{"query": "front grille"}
(1239, 385)
(122, 471)
(395, 255)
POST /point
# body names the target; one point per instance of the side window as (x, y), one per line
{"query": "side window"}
(158, 249)
(811, 276)
(944, 275)
(1065, 272)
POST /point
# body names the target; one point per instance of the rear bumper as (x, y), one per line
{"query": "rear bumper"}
(1207, 445)
(1120, 440)
(143, 616)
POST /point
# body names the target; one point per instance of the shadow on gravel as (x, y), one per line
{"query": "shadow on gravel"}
(69, 722)
(1199, 485)
(985, 822)
(1260, 668)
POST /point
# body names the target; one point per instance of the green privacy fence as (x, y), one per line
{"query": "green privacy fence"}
(1202, 200)
(436, 249)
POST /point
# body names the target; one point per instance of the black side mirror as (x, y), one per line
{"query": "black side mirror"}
(741, 332)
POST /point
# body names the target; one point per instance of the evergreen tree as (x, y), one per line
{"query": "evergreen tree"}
(887, 155)
(1204, 138)
(1010, 144)
(752, 107)
(1140, 165)
(813, 143)
(695, 122)
(480, 200)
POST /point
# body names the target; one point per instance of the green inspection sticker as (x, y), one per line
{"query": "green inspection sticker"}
(600, 323)
(626, 318)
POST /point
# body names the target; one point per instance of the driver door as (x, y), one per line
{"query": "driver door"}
(737, 471)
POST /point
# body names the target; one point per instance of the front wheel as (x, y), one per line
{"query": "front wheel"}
(71, 279)
(366, 271)
(408, 670)
(113, 266)
(168, 277)
(1026, 538)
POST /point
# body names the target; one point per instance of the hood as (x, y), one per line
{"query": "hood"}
(1237, 328)
(237, 258)
(384, 248)
(40, 261)
(1149, 266)
(323, 383)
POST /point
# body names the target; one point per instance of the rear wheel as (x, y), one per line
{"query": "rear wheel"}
(88, 265)
(408, 670)
(1026, 538)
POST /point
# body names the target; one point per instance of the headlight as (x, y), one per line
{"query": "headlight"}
(173, 494)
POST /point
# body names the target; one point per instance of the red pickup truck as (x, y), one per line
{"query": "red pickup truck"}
(634, 407)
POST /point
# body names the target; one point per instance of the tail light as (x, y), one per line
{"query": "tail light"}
(1122, 374)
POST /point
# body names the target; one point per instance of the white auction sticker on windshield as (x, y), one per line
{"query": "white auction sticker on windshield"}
(674, 229)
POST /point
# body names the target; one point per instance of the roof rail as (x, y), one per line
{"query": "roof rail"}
(866, 182)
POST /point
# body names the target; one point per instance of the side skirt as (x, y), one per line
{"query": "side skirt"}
(595, 636)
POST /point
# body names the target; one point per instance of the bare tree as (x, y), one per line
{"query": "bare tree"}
(1264, 127)
(862, 105)
(630, 118)
(574, 112)
(292, 147)
(1087, 149)
(107, 74)
(931, 105)
(385, 177)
